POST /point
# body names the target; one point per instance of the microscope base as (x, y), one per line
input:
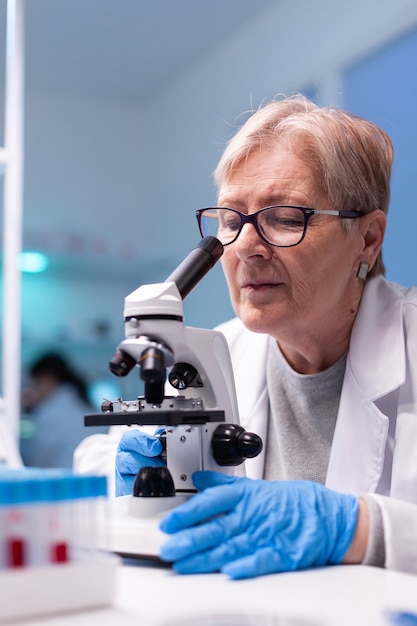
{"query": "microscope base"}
(134, 525)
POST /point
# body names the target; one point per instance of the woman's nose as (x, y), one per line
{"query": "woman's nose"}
(250, 243)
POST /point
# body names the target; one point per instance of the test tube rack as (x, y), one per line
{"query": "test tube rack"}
(51, 548)
(48, 590)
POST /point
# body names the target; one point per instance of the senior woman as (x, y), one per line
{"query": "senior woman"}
(323, 351)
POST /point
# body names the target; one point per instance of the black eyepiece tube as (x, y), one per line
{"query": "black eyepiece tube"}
(196, 265)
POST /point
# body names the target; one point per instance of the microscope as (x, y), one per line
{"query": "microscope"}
(189, 397)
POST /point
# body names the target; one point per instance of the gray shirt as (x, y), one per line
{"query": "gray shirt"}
(302, 418)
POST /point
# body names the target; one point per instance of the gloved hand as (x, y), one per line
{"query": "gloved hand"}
(136, 449)
(245, 527)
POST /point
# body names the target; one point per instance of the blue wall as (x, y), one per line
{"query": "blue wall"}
(383, 88)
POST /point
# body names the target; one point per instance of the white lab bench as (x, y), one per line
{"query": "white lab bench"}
(148, 594)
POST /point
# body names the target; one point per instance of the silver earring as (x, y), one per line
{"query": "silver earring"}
(363, 270)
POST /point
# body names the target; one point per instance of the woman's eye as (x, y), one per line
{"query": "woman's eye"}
(287, 223)
(231, 224)
(284, 219)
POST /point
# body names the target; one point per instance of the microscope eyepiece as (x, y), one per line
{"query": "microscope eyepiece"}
(196, 265)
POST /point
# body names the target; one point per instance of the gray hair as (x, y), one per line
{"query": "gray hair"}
(350, 157)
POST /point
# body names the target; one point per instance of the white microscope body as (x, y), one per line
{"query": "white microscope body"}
(196, 407)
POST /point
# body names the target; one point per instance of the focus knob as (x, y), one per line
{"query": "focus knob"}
(151, 482)
(231, 445)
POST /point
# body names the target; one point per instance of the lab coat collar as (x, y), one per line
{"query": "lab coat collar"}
(375, 368)
(377, 348)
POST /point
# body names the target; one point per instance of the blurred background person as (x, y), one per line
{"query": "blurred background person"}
(54, 405)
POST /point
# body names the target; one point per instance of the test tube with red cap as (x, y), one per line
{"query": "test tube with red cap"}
(48, 516)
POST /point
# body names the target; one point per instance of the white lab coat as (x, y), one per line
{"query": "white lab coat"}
(374, 448)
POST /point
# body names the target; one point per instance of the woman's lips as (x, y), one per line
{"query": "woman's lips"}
(259, 284)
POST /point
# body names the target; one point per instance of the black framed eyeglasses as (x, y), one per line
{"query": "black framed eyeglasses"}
(280, 226)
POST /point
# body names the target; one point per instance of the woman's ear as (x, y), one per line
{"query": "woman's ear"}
(373, 227)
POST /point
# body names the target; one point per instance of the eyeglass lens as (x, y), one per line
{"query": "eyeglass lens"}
(280, 226)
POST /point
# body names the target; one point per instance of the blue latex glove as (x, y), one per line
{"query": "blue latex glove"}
(245, 527)
(136, 449)
(402, 618)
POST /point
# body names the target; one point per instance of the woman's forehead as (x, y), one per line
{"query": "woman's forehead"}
(274, 172)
